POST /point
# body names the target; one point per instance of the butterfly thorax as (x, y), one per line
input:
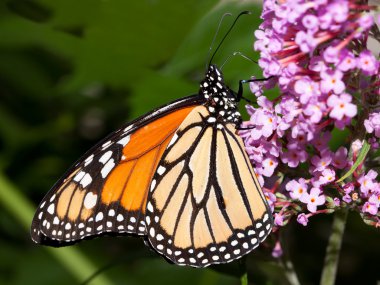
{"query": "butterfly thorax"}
(220, 100)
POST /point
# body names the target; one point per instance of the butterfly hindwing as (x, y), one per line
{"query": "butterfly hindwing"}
(205, 205)
(106, 190)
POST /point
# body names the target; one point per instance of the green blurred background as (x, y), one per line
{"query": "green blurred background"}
(73, 71)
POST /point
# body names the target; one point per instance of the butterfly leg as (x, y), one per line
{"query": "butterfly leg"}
(239, 94)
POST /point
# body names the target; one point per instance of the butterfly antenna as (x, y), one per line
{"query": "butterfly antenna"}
(225, 36)
(239, 54)
(216, 33)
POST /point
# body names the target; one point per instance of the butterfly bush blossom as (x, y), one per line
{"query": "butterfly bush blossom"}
(309, 136)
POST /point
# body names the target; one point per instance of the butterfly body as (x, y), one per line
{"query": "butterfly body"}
(178, 176)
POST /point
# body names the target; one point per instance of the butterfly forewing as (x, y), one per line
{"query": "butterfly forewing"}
(205, 204)
(106, 191)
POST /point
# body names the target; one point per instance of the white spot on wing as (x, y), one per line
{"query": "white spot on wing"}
(124, 141)
(90, 200)
(107, 168)
(153, 184)
(56, 221)
(128, 128)
(99, 217)
(106, 144)
(79, 176)
(86, 180)
(105, 157)
(161, 170)
(173, 140)
(52, 198)
(88, 160)
(51, 209)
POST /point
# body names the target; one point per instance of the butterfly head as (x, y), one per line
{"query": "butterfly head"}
(221, 100)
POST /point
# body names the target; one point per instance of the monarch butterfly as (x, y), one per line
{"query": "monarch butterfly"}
(178, 176)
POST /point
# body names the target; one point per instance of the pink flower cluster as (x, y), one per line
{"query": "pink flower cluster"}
(316, 53)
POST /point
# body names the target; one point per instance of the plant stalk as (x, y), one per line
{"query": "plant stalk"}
(73, 260)
(333, 248)
(243, 271)
(290, 273)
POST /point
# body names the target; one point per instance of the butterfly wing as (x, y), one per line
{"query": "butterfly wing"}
(205, 205)
(106, 190)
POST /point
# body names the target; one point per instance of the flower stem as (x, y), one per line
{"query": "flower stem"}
(243, 271)
(244, 279)
(333, 248)
(290, 273)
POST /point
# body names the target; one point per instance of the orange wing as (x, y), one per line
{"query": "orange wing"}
(106, 190)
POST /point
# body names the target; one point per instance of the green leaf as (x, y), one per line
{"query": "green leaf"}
(362, 155)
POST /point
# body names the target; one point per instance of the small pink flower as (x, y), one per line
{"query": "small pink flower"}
(302, 219)
(368, 63)
(332, 81)
(347, 61)
(374, 199)
(366, 21)
(347, 198)
(340, 158)
(271, 199)
(374, 142)
(296, 188)
(356, 145)
(256, 87)
(321, 162)
(310, 22)
(349, 187)
(313, 199)
(266, 123)
(305, 41)
(277, 250)
(341, 106)
(278, 219)
(293, 157)
(338, 10)
(315, 111)
(367, 182)
(321, 142)
(327, 176)
(369, 208)
(268, 166)
(372, 124)
(306, 88)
